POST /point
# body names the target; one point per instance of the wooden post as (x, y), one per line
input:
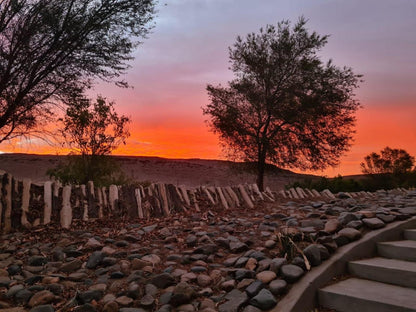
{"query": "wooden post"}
(163, 195)
(47, 198)
(222, 198)
(139, 203)
(84, 202)
(193, 197)
(185, 195)
(8, 208)
(113, 196)
(211, 199)
(66, 211)
(245, 196)
(25, 201)
(100, 203)
(105, 201)
(92, 207)
(257, 191)
(233, 195)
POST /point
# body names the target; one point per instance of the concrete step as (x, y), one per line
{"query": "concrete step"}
(392, 271)
(360, 295)
(403, 250)
(410, 234)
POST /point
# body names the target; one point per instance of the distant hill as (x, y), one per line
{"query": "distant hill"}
(190, 172)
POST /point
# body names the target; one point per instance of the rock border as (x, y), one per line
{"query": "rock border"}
(302, 297)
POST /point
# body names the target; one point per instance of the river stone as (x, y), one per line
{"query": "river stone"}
(251, 308)
(41, 298)
(346, 217)
(183, 293)
(331, 226)
(356, 224)
(71, 266)
(95, 259)
(264, 300)
(386, 218)
(43, 308)
(235, 300)
(37, 261)
(291, 273)
(350, 233)
(147, 301)
(277, 287)
(237, 247)
(163, 280)
(90, 295)
(313, 254)
(266, 276)
(254, 288)
(373, 223)
(276, 263)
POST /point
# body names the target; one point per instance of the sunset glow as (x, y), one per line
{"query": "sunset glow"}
(188, 49)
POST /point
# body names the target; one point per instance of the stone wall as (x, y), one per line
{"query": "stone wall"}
(25, 204)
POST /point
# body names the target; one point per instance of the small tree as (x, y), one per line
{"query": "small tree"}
(285, 105)
(52, 50)
(390, 160)
(93, 131)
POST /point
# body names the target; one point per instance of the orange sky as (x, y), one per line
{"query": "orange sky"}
(188, 49)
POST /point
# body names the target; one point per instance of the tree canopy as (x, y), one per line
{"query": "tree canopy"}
(390, 160)
(285, 105)
(52, 50)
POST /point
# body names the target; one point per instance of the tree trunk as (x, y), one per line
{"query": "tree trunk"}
(261, 165)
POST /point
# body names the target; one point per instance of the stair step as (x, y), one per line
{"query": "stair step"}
(360, 295)
(403, 250)
(410, 234)
(392, 271)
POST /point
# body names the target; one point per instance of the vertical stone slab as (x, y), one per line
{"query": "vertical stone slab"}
(25, 201)
(66, 210)
(47, 198)
(185, 195)
(269, 192)
(300, 193)
(208, 193)
(195, 202)
(163, 195)
(293, 193)
(257, 191)
(113, 196)
(138, 195)
(245, 196)
(100, 203)
(92, 207)
(105, 201)
(233, 195)
(7, 185)
(282, 193)
(222, 198)
(84, 202)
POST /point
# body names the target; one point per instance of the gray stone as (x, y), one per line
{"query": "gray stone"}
(254, 288)
(71, 266)
(346, 217)
(356, 224)
(163, 280)
(264, 300)
(237, 247)
(43, 308)
(291, 273)
(183, 293)
(276, 263)
(373, 223)
(235, 300)
(95, 259)
(90, 295)
(313, 254)
(350, 233)
(37, 261)
(277, 287)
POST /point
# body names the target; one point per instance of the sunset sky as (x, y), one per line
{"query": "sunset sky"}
(188, 48)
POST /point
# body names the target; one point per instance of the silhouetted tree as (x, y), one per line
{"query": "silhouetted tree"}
(285, 105)
(52, 50)
(93, 131)
(390, 160)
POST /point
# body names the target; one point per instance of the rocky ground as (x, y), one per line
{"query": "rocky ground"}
(236, 260)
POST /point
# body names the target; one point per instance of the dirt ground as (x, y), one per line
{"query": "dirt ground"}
(188, 172)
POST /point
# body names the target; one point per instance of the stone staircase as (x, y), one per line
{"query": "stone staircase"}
(386, 283)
